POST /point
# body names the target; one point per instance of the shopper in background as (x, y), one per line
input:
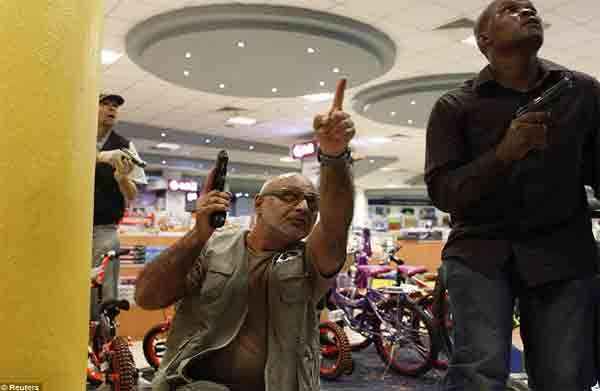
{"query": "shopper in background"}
(515, 191)
(246, 300)
(115, 184)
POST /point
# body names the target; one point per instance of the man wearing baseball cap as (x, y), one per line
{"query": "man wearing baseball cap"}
(115, 184)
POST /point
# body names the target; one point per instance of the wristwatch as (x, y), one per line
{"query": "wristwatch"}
(343, 158)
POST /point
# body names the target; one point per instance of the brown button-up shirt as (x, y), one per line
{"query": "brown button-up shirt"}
(532, 211)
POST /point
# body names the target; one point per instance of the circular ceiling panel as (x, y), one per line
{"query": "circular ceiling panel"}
(406, 102)
(259, 50)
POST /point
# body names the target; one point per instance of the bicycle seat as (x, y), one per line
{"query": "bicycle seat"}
(410, 271)
(373, 270)
(113, 306)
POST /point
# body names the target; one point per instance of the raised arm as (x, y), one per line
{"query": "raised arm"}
(327, 242)
(164, 280)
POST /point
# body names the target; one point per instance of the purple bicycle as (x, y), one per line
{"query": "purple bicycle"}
(400, 329)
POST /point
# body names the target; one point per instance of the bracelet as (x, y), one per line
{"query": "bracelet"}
(343, 158)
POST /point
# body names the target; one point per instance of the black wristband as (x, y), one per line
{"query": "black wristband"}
(343, 158)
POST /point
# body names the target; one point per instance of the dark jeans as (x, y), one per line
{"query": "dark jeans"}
(557, 322)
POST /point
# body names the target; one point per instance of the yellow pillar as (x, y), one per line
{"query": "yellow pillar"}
(48, 109)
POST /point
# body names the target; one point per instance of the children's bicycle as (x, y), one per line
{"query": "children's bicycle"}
(109, 357)
(155, 342)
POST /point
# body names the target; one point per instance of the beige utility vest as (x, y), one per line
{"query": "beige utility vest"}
(210, 319)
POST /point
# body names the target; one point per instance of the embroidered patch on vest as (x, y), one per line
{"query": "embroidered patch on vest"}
(287, 256)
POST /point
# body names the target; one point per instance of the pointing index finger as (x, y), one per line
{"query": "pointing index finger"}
(338, 98)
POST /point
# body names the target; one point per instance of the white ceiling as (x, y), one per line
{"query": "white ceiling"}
(570, 40)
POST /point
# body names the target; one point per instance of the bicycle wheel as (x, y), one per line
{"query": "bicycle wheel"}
(124, 373)
(155, 344)
(406, 337)
(336, 358)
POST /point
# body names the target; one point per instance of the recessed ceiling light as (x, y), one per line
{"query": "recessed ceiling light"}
(287, 159)
(310, 50)
(188, 55)
(274, 89)
(322, 97)
(238, 195)
(241, 121)
(246, 195)
(163, 134)
(392, 113)
(232, 169)
(336, 70)
(221, 86)
(207, 141)
(241, 44)
(251, 147)
(164, 162)
(410, 121)
(109, 56)
(322, 83)
(170, 147)
(366, 107)
(470, 40)
(371, 161)
(412, 102)
(186, 73)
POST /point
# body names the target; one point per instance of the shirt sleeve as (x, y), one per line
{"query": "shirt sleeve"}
(591, 153)
(320, 283)
(137, 174)
(197, 274)
(457, 183)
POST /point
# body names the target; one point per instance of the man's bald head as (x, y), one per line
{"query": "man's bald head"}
(483, 21)
(294, 178)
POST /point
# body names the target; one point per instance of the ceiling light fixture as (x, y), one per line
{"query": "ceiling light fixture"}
(110, 56)
(246, 195)
(169, 146)
(163, 134)
(336, 70)
(241, 121)
(393, 113)
(274, 89)
(221, 86)
(410, 121)
(207, 141)
(412, 102)
(164, 162)
(322, 83)
(251, 147)
(186, 73)
(188, 55)
(470, 40)
(310, 50)
(371, 161)
(241, 44)
(366, 107)
(232, 169)
(321, 97)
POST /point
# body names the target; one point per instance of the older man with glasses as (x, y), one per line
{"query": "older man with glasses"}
(246, 300)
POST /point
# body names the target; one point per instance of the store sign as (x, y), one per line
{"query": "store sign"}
(301, 151)
(190, 186)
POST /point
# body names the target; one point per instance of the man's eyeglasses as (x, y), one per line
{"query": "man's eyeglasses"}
(294, 196)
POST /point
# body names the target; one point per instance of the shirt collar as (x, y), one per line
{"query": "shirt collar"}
(100, 143)
(486, 75)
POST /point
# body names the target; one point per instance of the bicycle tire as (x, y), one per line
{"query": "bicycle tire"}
(416, 316)
(149, 344)
(340, 350)
(124, 373)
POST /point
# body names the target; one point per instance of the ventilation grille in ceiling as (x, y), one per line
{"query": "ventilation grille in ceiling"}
(417, 180)
(230, 109)
(462, 23)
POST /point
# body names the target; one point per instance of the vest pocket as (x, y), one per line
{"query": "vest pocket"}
(294, 289)
(216, 278)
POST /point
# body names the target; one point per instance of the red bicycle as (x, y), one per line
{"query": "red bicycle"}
(109, 357)
(155, 342)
